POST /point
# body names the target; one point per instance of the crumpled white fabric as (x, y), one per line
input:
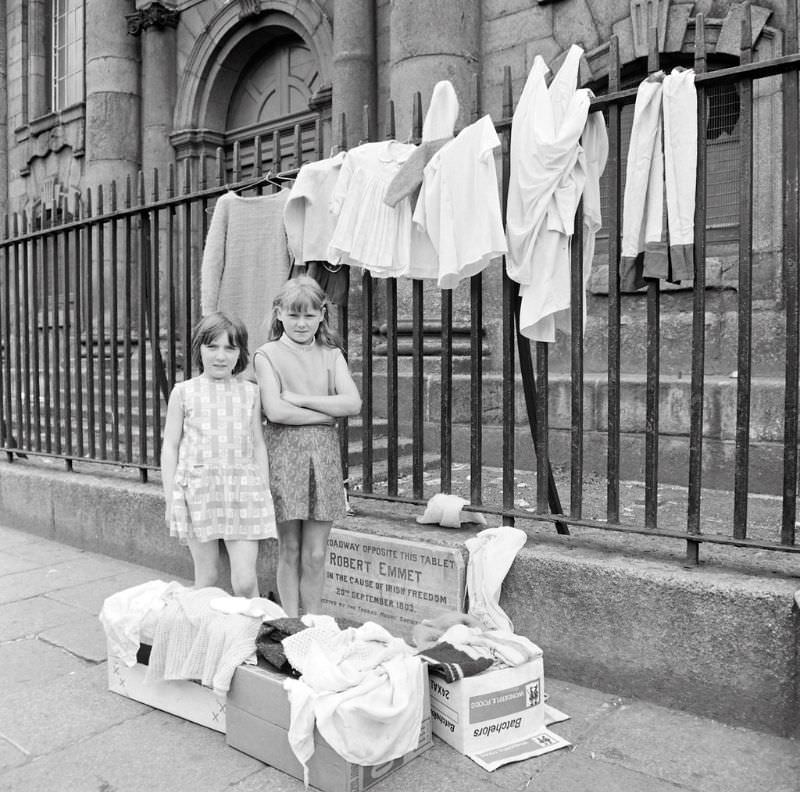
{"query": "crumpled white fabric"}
(257, 607)
(548, 174)
(126, 613)
(491, 553)
(442, 113)
(447, 511)
(363, 689)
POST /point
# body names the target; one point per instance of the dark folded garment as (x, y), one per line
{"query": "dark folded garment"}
(452, 664)
(271, 633)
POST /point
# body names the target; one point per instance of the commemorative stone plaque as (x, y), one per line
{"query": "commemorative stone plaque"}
(394, 582)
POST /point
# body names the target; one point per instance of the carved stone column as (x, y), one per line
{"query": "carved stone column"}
(155, 26)
(432, 42)
(354, 76)
(112, 100)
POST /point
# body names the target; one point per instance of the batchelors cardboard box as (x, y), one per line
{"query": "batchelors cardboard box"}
(491, 709)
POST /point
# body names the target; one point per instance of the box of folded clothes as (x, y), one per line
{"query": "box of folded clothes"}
(186, 699)
(489, 709)
(258, 719)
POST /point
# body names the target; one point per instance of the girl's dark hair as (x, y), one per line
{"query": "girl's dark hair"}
(209, 327)
(298, 294)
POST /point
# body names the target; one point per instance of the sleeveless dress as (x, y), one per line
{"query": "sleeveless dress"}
(305, 465)
(219, 491)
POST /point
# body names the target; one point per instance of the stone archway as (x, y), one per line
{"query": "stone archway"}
(233, 47)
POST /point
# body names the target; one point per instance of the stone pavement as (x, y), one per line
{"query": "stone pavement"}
(62, 731)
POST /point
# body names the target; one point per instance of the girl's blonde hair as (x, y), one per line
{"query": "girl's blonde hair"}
(298, 294)
(209, 327)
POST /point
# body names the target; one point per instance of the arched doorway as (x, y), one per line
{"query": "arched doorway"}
(253, 84)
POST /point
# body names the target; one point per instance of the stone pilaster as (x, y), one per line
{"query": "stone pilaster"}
(354, 76)
(432, 42)
(155, 26)
(113, 118)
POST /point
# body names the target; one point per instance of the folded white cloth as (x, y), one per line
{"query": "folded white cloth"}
(129, 613)
(257, 607)
(491, 553)
(447, 511)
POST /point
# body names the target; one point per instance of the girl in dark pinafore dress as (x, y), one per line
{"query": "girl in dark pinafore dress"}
(305, 386)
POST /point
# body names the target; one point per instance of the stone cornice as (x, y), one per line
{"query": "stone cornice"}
(155, 15)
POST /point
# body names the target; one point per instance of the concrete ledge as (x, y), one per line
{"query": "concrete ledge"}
(108, 514)
(717, 642)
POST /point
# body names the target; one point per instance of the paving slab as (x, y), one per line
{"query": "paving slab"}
(58, 576)
(84, 638)
(10, 563)
(31, 616)
(43, 551)
(30, 662)
(64, 710)
(698, 753)
(10, 756)
(154, 751)
(587, 774)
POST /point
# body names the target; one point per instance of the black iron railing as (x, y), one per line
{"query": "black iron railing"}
(98, 298)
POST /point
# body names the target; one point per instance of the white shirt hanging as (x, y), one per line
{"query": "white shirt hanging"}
(459, 205)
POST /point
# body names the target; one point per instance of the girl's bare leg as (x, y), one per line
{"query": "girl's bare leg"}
(243, 555)
(288, 572)
(312, 563)
(206, 562)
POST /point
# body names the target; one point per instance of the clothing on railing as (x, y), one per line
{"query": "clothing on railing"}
(307, 216)
(245, 260)
(548, 176)
(437, 128)
(368, 233)
(459, 206)
(649, 248)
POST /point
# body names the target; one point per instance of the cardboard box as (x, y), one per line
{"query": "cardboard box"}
(258, 715)
(189, 700)
(489, 710)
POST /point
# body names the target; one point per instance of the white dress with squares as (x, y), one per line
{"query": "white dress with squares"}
(219, 491)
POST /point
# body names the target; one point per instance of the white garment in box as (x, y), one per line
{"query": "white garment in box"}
(188, 700)
(489, 710)
(258, 721)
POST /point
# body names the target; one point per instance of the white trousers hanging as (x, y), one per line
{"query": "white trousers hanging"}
(660, 162)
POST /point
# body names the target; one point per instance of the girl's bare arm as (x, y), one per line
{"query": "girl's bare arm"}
(345, 401)
(275, 407)
(173, 431)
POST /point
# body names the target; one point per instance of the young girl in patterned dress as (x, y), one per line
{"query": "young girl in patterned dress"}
(305, 386)
(213, 459)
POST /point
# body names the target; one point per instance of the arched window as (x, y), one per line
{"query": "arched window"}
(274, 93)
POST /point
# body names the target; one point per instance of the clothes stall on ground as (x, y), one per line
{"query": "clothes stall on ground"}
(309, 694)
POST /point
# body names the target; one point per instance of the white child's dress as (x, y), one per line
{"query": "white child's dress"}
(369, 233)
(219, 491)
